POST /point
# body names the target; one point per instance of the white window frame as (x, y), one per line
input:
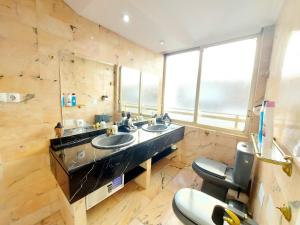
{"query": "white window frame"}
(196, 109)
(140, 96)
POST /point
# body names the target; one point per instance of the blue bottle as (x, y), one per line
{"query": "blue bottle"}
(73, 99)
(62, 100)
(261, 125)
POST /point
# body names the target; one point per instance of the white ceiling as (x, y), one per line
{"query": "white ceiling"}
(181, 24)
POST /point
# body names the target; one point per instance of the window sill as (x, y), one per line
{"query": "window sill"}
(238, 133)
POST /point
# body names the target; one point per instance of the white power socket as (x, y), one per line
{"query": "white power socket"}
(13, 97)
(10, 97)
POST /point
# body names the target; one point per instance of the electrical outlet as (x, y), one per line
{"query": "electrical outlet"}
(13, 97)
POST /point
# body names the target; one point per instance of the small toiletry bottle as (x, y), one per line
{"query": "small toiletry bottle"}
(63, 100)
(261, 124)
(103, 124)
(73, 99)
(115, 128)
(69, 100)
(59, 130)
(267, 130)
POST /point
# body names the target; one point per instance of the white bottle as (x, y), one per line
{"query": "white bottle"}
(103, 124)
(267, 131)
(69, 100)
(114, 129)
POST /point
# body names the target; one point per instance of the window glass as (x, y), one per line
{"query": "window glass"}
(149, 93)
(226, 75)
(130, 88)
(180, 85)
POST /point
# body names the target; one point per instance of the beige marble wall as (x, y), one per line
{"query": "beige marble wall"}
(216, 145)
(32, 33)
(283, 87)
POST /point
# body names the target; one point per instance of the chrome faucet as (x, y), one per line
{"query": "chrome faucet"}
(166, 119)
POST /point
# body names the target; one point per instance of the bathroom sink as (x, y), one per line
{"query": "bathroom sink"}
(114, 141)
(155, 128)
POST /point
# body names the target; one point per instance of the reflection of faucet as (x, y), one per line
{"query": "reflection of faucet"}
(129, 124)
(166, 118)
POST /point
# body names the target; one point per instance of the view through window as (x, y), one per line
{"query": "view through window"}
(224, 89)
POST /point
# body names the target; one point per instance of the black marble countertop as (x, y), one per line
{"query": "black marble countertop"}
(73, 158)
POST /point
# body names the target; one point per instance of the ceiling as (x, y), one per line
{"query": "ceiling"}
(180, 24)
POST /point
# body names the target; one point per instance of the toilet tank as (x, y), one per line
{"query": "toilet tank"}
(244, 160)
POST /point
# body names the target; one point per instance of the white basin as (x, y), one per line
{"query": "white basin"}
(155, 128)
(114, 141)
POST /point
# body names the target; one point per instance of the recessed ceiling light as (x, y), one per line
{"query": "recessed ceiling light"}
(161, 42)
(126, 18)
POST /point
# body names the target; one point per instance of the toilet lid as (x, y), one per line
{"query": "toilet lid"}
(196, 205)
(211, 166)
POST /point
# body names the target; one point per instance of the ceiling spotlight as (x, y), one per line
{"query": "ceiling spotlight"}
(126, 18)
(161, 42)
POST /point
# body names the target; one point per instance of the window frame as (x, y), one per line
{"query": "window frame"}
(139, 107)
(196, 109)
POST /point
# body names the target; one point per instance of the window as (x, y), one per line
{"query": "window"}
(226, 75)
(130, 89)
(225, 80)
(138, 91)
(149, 94)
(180, 85)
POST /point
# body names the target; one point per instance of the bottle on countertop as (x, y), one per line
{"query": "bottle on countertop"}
(115, 128)
(63, 100)
(73, 99)
(103, 124)
(68, 99)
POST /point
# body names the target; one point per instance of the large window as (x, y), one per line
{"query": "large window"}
(180, 85)
(139, 91)
(223, 89)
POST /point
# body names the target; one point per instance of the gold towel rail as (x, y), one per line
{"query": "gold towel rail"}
(286, 161)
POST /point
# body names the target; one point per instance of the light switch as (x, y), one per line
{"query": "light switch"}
(13, 97)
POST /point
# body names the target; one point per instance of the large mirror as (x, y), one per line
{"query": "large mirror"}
(95, 93)
(87, 91)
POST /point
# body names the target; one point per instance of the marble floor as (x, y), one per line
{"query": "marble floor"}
(134, 205)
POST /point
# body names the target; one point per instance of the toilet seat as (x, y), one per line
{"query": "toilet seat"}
(211, 166)
(195, 207)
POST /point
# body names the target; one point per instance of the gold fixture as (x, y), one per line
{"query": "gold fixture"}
(109, 131)
(286, 211)
(286, 163)
(232, 219)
